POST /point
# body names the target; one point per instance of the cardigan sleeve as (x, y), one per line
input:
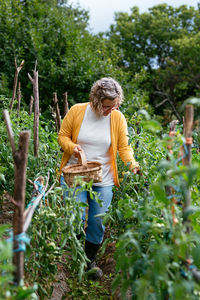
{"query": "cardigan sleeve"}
(65, 133)
(124, 149)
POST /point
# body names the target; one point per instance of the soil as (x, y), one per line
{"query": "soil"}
(60, 287)
(6, 209)
(106, 263)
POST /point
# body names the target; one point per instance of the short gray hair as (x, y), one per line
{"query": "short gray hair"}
(105, 88)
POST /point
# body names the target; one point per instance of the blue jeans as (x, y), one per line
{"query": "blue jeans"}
(95, 229)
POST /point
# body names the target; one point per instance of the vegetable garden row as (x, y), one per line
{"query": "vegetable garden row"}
(153, 222)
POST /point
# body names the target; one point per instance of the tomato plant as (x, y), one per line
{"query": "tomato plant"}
(153, 242)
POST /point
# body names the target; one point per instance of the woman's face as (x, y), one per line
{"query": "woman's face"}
(109, 105)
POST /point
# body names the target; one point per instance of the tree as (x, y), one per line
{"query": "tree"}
(56, 35)
(163, 42)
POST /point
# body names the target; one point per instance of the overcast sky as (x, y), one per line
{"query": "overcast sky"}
(102, 11)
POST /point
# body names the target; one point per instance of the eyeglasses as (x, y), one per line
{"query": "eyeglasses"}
(110, 108)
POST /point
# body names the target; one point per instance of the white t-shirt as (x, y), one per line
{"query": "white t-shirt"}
(95, 140)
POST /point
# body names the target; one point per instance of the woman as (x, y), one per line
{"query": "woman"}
(100, 130)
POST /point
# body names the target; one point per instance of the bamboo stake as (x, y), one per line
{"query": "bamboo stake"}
(66, 105)
(57, 110)
(34, 82)
(20, 163)
(28, 213)
(17, 70)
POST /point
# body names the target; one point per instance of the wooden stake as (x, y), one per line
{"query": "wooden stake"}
(188, 126)
(57, 110)
(171, 134)
(20, 163)
(188, 123)
(9, 130)
(34, 82)
(66, 105)
(169, 189)
(17, 70)
(19, 97)
(31, 105)
(54, 117)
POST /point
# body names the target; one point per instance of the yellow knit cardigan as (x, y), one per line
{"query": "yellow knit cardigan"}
(67, 137)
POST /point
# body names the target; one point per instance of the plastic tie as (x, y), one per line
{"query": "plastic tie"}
(183, 156)
(21, 238)
(31, 203)
(191, 267)
(183, 273)
(173, 196)
(40, 188)
(188, 140)
(172, 133)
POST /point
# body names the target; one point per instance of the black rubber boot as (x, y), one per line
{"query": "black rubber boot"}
(91, 252)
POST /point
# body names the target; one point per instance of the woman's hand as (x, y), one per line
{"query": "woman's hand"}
(136, 171)
(77, 149)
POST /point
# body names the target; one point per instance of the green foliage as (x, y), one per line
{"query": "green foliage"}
(153, 246)
(150, 34)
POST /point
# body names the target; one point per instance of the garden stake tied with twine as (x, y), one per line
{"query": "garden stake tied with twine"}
(21, 218)
(184, 154)
(91, 170)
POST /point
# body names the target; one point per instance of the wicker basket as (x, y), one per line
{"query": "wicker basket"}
(91, 170)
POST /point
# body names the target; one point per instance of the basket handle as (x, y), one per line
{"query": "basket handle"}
(82, 158)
